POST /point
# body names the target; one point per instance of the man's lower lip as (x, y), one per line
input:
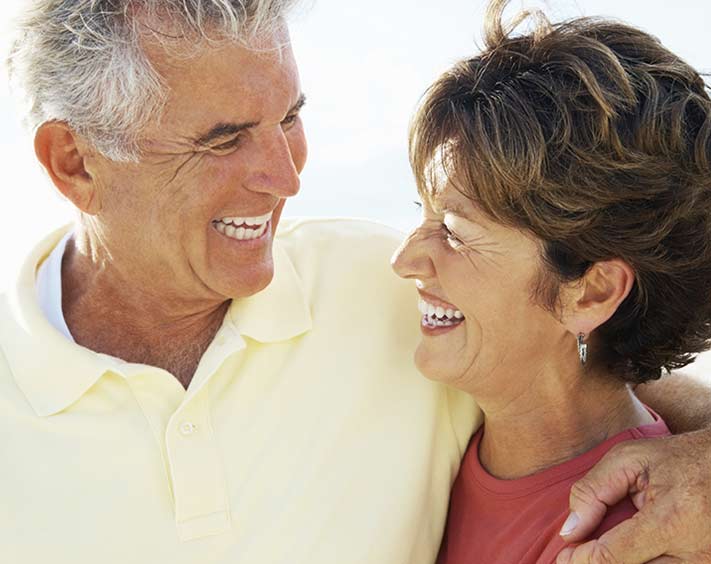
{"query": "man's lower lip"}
(428, 329)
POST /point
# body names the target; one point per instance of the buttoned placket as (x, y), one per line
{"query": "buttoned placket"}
(196, 471)
(182, 425)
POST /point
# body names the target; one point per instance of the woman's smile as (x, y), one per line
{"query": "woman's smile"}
(438, 317)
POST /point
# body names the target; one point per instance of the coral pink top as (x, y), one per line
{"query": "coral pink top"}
(517, 521)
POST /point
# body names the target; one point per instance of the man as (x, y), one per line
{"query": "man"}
(181, 383)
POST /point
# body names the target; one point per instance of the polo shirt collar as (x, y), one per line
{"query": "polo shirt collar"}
(280, 311)
(53, 373)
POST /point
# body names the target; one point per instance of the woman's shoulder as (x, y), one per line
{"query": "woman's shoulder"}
(623, 510)
(520, 519)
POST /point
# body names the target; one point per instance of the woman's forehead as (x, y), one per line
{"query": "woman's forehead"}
(448, 197)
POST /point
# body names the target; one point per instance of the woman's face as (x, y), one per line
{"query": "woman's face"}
(476, 280)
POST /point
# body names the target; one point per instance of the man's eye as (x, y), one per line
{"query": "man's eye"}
(227, 145)
(290, 120)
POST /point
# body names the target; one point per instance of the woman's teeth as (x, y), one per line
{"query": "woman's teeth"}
(437, 316)
(243, 228)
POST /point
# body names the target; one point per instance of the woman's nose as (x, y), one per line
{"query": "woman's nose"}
(411, 259)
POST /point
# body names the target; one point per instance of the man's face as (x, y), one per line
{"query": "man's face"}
(195, 218)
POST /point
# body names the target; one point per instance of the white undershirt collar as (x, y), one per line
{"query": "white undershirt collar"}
(49, 288)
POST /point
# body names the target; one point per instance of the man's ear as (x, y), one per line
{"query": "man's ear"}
(594, 299)
(63, 156)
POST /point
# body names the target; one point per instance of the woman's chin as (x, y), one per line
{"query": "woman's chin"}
(446, 361)
(431, 365)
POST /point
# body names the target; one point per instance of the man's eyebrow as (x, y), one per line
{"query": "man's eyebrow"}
(299, 104)
(222, 130)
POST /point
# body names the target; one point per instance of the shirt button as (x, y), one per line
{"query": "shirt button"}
(187, 428)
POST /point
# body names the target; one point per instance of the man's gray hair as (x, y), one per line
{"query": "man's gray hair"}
(81, 61)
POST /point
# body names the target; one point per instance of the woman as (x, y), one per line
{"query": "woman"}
(564, 257)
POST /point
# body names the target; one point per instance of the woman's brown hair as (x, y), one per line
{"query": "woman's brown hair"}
(596, 139)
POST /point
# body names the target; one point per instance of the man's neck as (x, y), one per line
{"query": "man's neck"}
(135, 321)
(556, 419)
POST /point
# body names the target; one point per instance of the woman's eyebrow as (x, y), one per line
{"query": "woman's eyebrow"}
(454, 208)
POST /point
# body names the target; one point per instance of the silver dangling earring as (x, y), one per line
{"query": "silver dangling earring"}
(582, 349)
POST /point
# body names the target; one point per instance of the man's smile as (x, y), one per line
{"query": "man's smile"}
(243, 228)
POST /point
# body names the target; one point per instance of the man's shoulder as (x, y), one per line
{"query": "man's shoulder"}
(10, 396)
(340, 246)
(8, 323)
(344, 265)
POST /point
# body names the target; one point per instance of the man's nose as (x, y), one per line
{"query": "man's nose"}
(411, 259)
(273, 170)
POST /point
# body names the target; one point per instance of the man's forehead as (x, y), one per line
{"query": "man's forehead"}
(226, 87)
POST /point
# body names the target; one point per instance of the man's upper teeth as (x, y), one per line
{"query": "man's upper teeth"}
(254, 221)
(240, 233)
(438, 311)
(242, 228)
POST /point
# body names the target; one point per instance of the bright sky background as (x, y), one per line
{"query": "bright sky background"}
(363, 65)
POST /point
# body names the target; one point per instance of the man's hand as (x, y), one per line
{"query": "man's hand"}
(669, 481)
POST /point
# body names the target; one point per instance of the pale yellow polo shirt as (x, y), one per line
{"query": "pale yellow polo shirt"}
(305, 437)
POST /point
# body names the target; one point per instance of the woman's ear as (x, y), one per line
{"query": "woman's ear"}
(595, 299)
(63, 156)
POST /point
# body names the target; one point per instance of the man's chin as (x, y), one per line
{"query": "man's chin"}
(247, 283)
(238, 269)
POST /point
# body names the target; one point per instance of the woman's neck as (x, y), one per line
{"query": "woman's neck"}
(554, 420)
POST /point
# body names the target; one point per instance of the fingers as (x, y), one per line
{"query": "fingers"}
(617, 475)
(668, 481)
(579, 555)
(588, 553)
(632, 542)
(589, 556)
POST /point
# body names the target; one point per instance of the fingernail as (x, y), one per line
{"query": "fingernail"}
(570, 523)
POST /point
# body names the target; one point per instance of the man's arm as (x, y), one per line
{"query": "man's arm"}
(669, 481)
(683, 399)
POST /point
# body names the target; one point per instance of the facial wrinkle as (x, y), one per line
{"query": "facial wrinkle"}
(182, 165)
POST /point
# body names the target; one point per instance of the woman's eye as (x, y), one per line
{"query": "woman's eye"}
(451, 238)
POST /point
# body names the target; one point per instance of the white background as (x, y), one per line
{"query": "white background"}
(364, 64)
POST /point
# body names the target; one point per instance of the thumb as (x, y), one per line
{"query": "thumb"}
(616, 476)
